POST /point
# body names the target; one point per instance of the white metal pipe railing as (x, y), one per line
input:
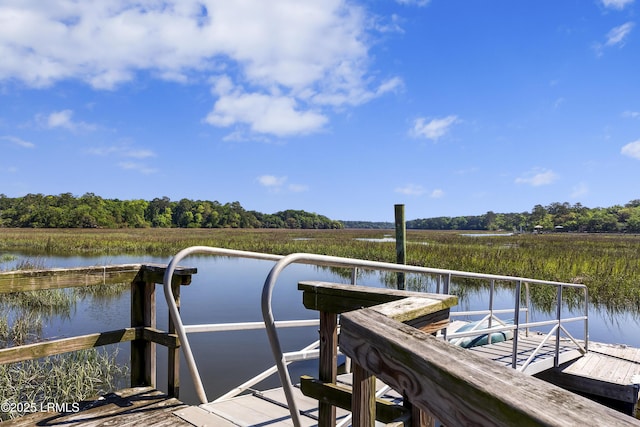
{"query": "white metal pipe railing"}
(281, 262)
(248, 326)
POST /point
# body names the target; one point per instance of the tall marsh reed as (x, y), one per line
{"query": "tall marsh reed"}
(607, 263)
(60, 379)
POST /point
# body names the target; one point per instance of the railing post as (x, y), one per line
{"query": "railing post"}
(516, 321)
(328, 364)
(492, 288)
(528, 306)
(556, 358)
(173, 357)
(363, 404)
(401, 243)
(586, 319)
(143, 314)
(419, 417)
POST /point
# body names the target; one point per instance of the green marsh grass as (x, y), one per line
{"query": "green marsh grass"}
(607, 263)
(61, 379)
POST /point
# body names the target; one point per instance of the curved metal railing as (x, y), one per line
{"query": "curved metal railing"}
(281, 262)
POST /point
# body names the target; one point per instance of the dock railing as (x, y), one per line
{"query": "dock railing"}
(451, 384)
(495, 321)
(142, 333)
(282, 262)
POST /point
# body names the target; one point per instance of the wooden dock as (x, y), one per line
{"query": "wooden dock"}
(608, 373)
(136, 405)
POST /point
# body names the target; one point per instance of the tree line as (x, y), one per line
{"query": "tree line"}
(92, 211)
(554, 217)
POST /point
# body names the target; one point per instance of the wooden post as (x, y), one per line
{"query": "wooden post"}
(401, 242)
(143, 352)
(328, 365)
(173, 356)
(363, 405)
(419, 417)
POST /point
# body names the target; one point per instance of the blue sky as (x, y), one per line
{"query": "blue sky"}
(343, 108)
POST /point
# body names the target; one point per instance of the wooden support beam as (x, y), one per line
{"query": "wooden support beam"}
(154, 273)
(341, 396)
(143, 352)
(363, 404)
(66, 345)
(328, 364)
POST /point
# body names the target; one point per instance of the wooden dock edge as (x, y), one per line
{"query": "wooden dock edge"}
(622, 397)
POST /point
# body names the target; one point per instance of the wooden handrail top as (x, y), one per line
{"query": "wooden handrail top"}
(400, 305)
(458, 387)
(58, 278)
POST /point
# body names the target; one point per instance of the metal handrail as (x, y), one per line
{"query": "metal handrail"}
(313, 259)
(518, 326)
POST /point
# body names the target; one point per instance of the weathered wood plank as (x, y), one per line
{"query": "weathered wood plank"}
(83, 342)
(65, 345)
(339, 298)
(471, 390)
(197, 416)
(154, 273)
(143, 352)
(160, 337)
(341, 397)
(363, 404)
(58, 278)
(136, 406)
(328, 364)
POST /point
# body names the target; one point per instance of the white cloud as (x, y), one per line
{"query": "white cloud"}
(632, 149)
(271, 181)
(411, 190)
(433, 129)
(126, 151)
(414, 2)
(298, 188)
(437, 194)
(139, 167)
(123, 150)
(292, 60)
(618, 34)
(276, 184)
(537, 178)
(419, 190)
(63, 119)
(18, 141)
(263, 113)
(579, 190)
(631, 114)
(616, 4)
(60, 119)
(615, 37)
